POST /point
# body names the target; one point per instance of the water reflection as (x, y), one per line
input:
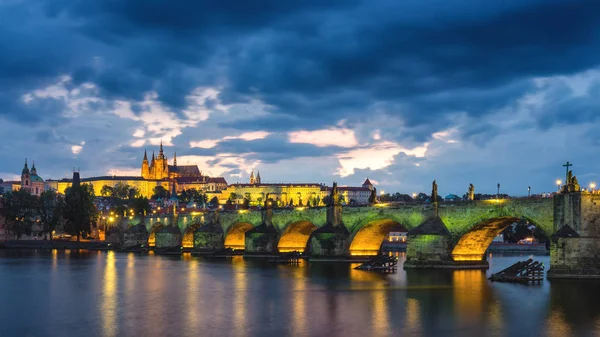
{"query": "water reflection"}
(108, 311)
(187, 296)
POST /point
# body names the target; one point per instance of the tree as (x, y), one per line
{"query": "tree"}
(50, 206)
(259, 201)
(140, 206)
(121, 190)
(214, 201)
(160, 192)
(19, 212)
(422, 197)
(79, 211)
(233, 198)
(246, 203)
(107, 191)
(133, 193)
(326, 199)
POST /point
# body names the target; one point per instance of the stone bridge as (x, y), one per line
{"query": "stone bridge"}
(454, 235)
(471, 226)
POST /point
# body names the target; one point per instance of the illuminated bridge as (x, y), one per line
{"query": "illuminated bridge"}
(458, 235)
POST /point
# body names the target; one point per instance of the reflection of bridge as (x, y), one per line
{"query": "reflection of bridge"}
(458, 236)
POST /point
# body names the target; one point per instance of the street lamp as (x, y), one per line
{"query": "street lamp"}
(498, 195)
(414, 195)
(592, 186)
(558, 183)
(528, 191)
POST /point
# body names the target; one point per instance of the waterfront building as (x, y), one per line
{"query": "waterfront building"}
(297, 194)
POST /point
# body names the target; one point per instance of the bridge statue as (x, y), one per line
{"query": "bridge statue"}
(334, 198)
(471, 192)
(434, 192)
(572, 184)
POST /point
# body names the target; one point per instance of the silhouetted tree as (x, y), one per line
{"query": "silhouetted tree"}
(50, 210)
(79, 211)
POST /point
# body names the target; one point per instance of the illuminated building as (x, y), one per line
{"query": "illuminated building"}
(30, 181)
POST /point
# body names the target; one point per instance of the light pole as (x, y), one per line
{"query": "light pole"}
(498, 195)
(558, 183)
(528, 191)
(592, 186)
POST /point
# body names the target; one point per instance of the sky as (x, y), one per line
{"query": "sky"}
(401, 92)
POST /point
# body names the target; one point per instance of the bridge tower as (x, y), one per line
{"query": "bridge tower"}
(575, 247)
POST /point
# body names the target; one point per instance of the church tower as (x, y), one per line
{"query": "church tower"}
(161, 169)
(25, 177)
(257, 177)
(252, 178)
(145, 167)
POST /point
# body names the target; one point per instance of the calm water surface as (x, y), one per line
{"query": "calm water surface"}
(70, 293)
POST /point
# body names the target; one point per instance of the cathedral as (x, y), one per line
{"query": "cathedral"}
(30, 181)
(159, 169)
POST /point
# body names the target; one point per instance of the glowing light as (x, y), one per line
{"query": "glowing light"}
(196, 213)
(381, 205)
(242, 211)
(299, 208)
(495, 201)
(111, 219)
(414, 195)
(558, 182)
(382, 192)
(592, 185)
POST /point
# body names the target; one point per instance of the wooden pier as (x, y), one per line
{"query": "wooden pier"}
(382, 263)
(521, 272)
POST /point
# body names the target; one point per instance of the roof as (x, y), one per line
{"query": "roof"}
(114, 178)
(350, 189)
(184, 180)
(186, 170)
(217, 180)
(36, 178)
(367, 182)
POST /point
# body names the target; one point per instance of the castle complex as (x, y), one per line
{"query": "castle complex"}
(157, 172)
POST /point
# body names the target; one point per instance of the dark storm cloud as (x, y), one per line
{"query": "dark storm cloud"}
(313, 62)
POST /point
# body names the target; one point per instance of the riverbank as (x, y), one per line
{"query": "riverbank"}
(501, 247)
(55, 244)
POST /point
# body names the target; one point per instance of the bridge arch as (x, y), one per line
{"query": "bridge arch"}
(295, 236)
(368, 238)
(187, 240)
(152, 235)
(236, 235)
(472, 245)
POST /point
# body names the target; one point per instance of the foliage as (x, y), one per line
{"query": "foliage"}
(246, 203)
(19, 212)
(214, 201)
(160, 192)
(326, 199)
(133, 193)
(79, 211)
(121, 190)
(107, 191)
(50, 207)
(140, 206)
(373, 196)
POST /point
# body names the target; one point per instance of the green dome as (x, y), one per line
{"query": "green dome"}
(35, 178)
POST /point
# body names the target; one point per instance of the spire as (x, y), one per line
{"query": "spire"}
(175, 159)
(33, 169)
(25, 168)
(252, 179)
(257, 176)
(145, 155)
(153, 156)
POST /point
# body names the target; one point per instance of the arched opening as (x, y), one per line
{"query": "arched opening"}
(152, 236)
(236, 236)
(368, 239)
(473, 244)
(188, 237)
(295, 237)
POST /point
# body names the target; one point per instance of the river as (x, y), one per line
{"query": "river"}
(92, 293)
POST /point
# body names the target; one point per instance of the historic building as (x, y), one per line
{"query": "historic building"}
(158, 168)
(30, 181)
(156, 172)
(291, 193)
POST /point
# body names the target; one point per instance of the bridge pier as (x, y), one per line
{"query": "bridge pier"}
(261, 240)
(168, 238)
(208, 238)
(135, 236)
(575, 248)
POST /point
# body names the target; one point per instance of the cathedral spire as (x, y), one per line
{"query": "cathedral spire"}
(252, 179)
(257, 177)
(145, 155)
(25, 168)
(33, 169)
(152, 156)
(175, 159)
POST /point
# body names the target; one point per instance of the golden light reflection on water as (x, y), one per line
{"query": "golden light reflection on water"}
(468, 294)
(557, 325)
(240, 305)
(299, 323)
(130, 280)
(191, 297)
(108, 311)
(380, 318)
(413, 314)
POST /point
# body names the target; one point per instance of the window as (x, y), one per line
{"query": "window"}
(26, 182)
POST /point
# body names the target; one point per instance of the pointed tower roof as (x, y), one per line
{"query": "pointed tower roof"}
(175, 159)
(145, 155)
(153, 156)
(367, 182)
(258, 177)
(25, 168)
(174, 193)
(33, 169)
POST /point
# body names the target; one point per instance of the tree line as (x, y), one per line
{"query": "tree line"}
(74, 212)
